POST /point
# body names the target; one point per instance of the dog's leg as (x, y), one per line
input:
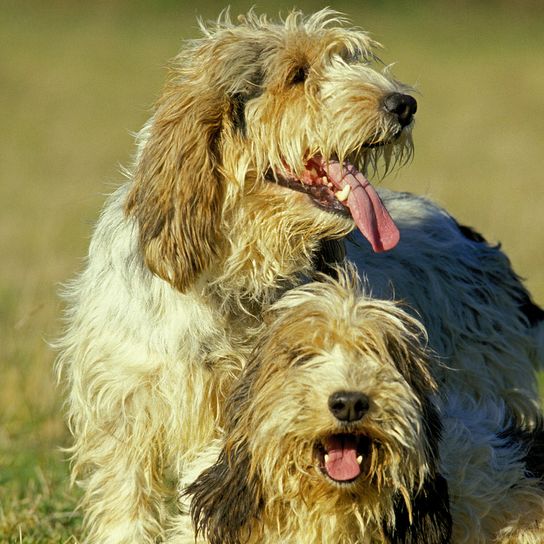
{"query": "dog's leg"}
(118, 460)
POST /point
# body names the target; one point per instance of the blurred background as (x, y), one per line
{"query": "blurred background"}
(78, 77)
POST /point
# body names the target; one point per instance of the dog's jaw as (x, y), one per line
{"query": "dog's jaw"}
(338, 187)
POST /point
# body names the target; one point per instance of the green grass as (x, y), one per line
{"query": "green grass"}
(77, 77)
(37, 505)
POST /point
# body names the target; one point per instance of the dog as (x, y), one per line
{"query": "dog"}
(335, 433)
(495, 473)
(247, 179)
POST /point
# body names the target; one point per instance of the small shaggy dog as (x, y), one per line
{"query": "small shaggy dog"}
(246, 179)
(333, 436)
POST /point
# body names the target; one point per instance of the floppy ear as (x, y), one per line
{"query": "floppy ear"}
(431, 518)
(430, 521)
(226, 498)
(177, 193)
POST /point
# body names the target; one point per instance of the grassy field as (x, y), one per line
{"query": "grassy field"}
(76, 78)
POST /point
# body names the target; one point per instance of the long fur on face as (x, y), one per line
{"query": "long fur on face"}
(254, 112)
(269, 483)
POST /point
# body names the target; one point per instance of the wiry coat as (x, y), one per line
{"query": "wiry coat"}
(495, 473)
(269, 483)
(206, 234)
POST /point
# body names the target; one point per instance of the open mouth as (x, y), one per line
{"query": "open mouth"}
(340, 188)
(343, 457)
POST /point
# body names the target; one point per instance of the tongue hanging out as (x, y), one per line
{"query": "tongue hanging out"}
(342, 462)
(338, 187)
(366, 207)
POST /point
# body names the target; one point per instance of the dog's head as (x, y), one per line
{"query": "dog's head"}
(257, 146)
(334, 411)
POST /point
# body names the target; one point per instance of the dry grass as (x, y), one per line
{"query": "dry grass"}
(77, 77)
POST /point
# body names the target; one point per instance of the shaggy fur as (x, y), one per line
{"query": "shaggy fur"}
(231, 201)
(272, 481)
(495, 474)
(321, 340)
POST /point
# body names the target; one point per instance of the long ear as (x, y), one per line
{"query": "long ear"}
(429, 521)
(177, 193)
(226, 498)
(413, 361)
(431, 518)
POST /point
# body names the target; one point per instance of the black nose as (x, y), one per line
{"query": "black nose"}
(402, 105)
(348, 406)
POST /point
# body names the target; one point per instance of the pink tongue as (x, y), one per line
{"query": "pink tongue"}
(366, 207)
(341, 464)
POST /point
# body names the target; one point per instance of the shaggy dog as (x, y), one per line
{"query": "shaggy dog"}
(333, 436)
(246, 178)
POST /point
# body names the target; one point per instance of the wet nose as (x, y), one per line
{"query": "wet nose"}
(348, 406)
(403, 106)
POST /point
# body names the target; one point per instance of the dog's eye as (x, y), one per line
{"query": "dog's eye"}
(300, 75)
(301, 360)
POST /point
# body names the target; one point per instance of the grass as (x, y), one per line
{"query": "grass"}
(78, 77)
(37, 505)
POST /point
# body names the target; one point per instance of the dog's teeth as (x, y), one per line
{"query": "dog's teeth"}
(343, 194)
(326, 458)
(359, 459)
(325, 180)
